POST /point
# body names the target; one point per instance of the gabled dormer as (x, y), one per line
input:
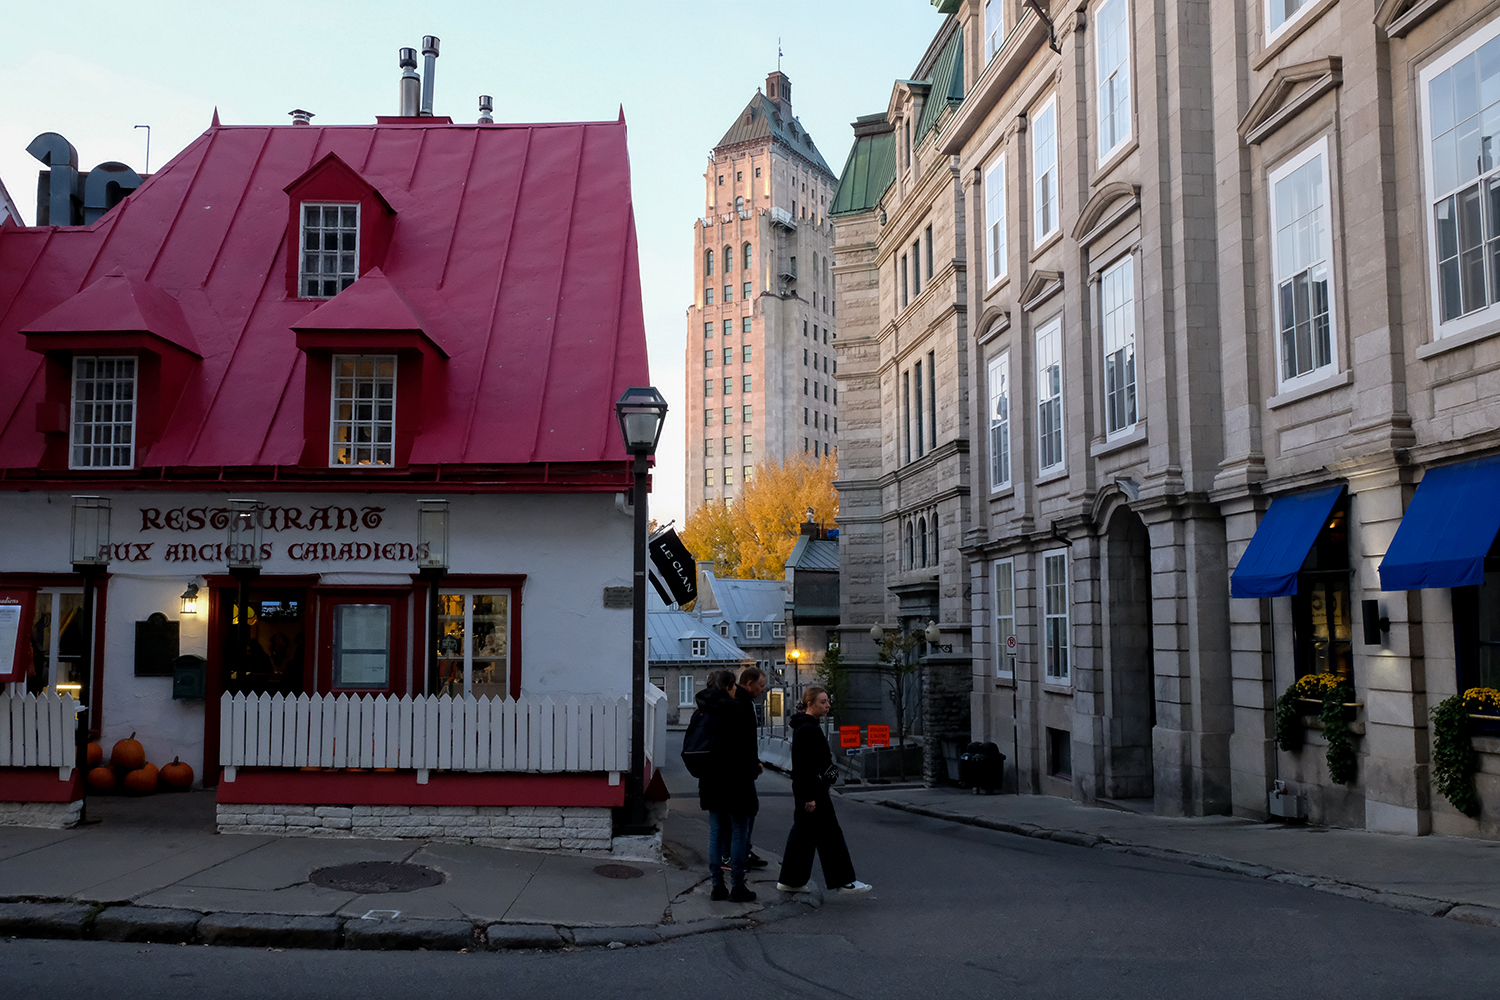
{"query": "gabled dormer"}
(339, 226)
(118, 356)
(370, 363)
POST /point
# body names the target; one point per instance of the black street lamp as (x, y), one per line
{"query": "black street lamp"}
(642, 411)
(242, 549)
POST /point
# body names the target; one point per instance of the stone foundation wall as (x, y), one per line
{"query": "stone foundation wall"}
(540, 828)
(43, 815)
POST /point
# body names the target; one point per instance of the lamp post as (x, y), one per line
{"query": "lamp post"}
(641, 411)
(242, 554)
(432, 539)
(89, 552)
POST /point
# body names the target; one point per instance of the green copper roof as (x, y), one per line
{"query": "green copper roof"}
(870, 169)
(759, 120)
(947, 82)
(946, 6)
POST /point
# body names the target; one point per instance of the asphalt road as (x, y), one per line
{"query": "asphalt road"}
(957, 911)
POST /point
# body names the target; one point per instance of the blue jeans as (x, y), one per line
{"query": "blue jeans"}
(738, 830)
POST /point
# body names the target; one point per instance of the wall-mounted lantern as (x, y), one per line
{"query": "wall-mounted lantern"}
(190, 599)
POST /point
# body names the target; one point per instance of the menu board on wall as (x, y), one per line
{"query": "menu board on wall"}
(15, 650)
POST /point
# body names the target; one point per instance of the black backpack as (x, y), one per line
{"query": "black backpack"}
(698, 744)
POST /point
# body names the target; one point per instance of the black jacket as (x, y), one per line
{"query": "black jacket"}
(811, 756)
(730, 784)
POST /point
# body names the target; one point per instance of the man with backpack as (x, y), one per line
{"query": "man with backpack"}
(720, 753)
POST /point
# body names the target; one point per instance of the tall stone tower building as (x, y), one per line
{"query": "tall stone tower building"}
(761, 377)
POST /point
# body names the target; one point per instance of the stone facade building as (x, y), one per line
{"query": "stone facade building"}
(761, 327)
(1230, 360)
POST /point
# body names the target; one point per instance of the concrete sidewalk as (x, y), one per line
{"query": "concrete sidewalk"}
(155, 869)
(1438, 876)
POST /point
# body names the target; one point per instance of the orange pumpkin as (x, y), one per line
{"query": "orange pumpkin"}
(128, 755)
(142, 780)
(102, 779)
(96, 755)
(177, 775)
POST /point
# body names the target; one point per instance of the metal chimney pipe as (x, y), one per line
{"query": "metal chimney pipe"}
(300, 117)
(429, 72)
(411, 84)
(486, 109)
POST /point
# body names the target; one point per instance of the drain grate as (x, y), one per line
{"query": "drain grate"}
(376, 876)
(618, 871)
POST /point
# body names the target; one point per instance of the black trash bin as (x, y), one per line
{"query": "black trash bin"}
(982, 768)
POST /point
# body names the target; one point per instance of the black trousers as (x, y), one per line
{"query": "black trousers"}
(818, 831)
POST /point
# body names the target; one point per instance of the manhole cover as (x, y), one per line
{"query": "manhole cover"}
(618, 871)
(376, 876)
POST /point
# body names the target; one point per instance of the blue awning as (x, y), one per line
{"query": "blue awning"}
(1448, 529)
(1281, 543)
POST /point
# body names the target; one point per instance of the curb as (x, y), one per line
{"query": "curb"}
(1422, 905)
(74, 921)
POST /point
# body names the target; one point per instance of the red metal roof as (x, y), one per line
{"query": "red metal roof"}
(513, 252)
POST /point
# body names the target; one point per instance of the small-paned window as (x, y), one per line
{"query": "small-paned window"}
(1049, 397)
(728, 446)
(728, 415)
(728, 355)
(728, 384)
(708, 329)
(728, 293)
(708, 474)
(728, 475)
(746, 417)
(778, 630)
(1117, 322)
(1302, 253)
(102, 431)
(749, 472)
(745, 293)
(748, 444)
(1112, 62)
(752, 630)
(746, 386)
(746, 264)
(708, 296)
(1055, 615)
(745, 326)
(746, 356)
(708, 417)
(1044, 172)
(708, 387)
(708, 447)
(330, 249)
(364, 410)
(708, 358)
(999, 374)
(362, 646)
(1005, 618)
(728, 327)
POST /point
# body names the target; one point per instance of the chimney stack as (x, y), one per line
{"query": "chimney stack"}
(300, 117)
(486, 109)
(429, 72)
(411, 84)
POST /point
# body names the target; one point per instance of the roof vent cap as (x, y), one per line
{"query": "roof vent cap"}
(300, 117)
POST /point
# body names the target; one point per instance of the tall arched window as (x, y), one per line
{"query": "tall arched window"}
(728, 262)
(746, 264)
(922, 533)
(911, 548)
(936, 552)
(708, 262)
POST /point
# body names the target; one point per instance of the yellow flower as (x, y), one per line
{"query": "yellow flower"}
(1482, 700)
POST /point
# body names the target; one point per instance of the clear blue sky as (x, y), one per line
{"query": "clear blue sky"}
(682, 70)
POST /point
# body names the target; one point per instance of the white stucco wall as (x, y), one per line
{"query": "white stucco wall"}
(569, 547)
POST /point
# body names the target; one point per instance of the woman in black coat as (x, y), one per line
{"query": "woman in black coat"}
(814, 826)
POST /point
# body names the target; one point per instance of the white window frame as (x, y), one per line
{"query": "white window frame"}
(994, 28)
(1056, 640)
(1117, 81)
(1117, 342)
(1049, 393)
(85, 413)
(374, 424)
(700, 647)
(345, 276)
(685, 689)
(778, 630)
(468, 631)
(999, 397)
(752, 630)
(1319, 151)
(1273, 31)
(1044, 140)
(1487, 313)
(995, 249)
(1003, 577)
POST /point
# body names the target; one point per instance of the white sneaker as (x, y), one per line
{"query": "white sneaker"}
(783, 887)
(855, 886)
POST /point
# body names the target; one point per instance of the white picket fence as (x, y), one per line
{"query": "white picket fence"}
(423, 733)
(38, 731)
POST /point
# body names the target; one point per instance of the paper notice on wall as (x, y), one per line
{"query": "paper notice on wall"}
(10, 636)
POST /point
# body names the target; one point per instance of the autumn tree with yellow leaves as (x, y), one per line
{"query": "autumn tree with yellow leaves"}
(752, 536)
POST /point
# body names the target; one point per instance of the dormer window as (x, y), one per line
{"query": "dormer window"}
(102, 431)
(330, 249)
(363, 424)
